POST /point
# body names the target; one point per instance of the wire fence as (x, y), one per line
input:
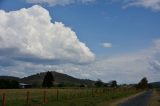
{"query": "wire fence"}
(38, 97)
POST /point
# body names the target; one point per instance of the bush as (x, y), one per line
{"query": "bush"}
(98, 83)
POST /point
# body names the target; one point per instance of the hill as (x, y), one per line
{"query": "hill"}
(10, 78)
(155, 84)
(60, 78)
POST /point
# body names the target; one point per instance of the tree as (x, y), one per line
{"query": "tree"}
(143, 84)
(114, 83)
(8, 84)
(61, 84)
(48, 80)
(82, 85)
(98, 83)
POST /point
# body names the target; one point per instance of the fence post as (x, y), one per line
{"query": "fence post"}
(92, 93)
(4, 99)
(57, 94)
(27, 97)
(44, 96)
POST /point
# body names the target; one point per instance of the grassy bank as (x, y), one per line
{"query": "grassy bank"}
(64, 97)
(155, 98)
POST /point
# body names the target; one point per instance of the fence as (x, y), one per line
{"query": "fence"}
(32, 97)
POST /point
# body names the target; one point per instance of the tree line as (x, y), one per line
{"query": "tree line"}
(8, 84)
(49, 79)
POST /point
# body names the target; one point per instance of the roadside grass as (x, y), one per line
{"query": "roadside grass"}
(65, 97)
(155, 98)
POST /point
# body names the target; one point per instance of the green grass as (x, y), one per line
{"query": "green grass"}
(66, 97)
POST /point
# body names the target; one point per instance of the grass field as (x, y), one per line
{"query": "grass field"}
(64, 97)
(155, 99)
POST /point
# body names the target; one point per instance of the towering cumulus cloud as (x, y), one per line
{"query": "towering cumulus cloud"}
(29, 33)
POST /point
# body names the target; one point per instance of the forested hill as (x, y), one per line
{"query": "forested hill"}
(37, 79)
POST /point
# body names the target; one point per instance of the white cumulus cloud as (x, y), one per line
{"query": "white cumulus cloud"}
(126, 68)
(30, 32)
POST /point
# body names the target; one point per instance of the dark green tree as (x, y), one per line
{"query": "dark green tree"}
(48, 80)
(98, 83)
(114, 83)
(82, 85)
(8, 84)
(143, 84)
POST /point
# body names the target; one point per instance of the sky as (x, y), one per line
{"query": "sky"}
(93, 39)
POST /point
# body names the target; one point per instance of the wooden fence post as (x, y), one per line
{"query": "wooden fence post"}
(44, 96)
(57, 94)
(92, 92)
(4, 99)
(27, 97)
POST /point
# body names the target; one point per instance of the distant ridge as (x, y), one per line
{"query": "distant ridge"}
(155, 84)
(10, 78)
(37, 79)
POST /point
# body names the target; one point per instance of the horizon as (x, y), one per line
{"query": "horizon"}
(76, 78)
(87, 39)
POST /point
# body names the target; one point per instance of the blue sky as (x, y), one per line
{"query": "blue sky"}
(129, 30)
